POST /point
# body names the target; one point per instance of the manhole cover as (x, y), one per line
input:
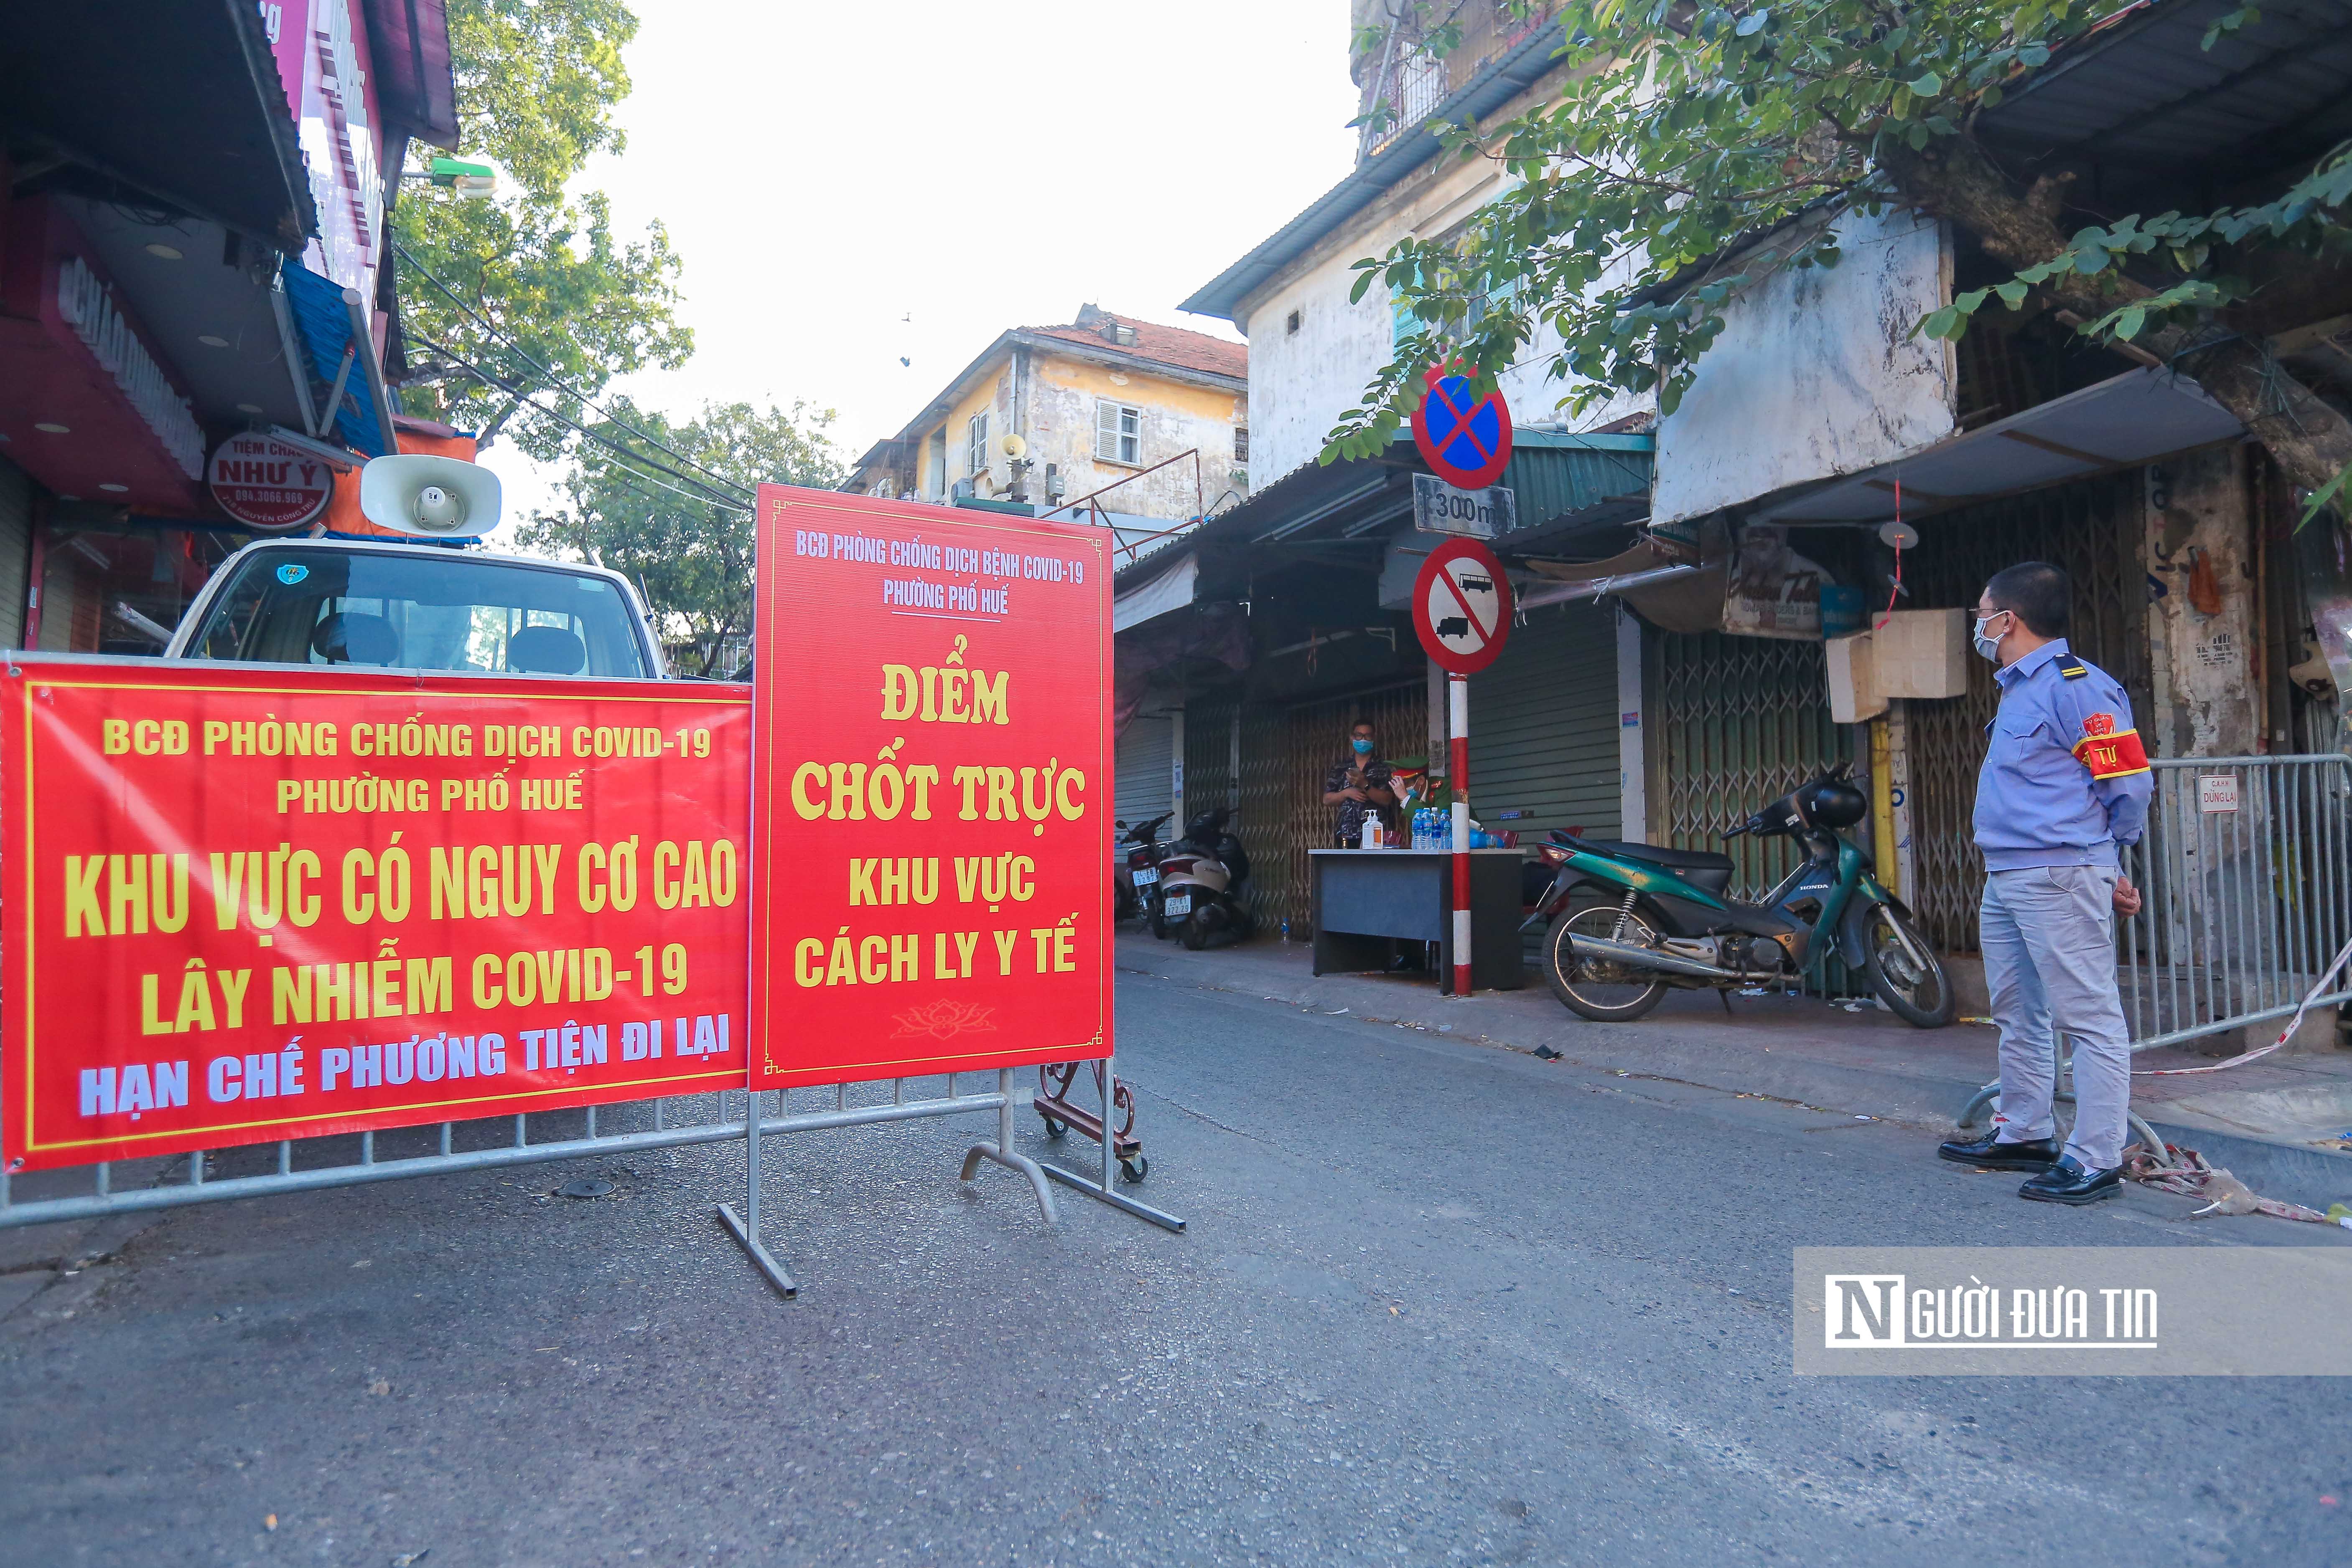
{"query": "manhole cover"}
(585, 1190)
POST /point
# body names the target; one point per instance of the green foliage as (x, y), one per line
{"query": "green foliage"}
(537, 81)
(2309, 216)
(693, 556)
(2324, 497)
(1695, 153)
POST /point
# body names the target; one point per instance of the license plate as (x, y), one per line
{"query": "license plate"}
(1180, 904)
(1147, 877)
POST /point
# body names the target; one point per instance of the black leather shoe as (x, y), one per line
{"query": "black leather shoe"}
(2068, 1182)
(2032, 1154)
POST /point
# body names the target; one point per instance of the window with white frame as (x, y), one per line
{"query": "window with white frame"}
(1118, 434)
(976, 445)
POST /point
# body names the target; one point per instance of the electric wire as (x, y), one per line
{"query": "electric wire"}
(561, 384)
(556, 380)
(702, 494)
(710, 494)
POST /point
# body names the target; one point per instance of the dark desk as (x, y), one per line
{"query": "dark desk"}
(1365, 900)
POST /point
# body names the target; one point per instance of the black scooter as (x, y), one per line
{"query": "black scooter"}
(1137, 880)
(1204, 884)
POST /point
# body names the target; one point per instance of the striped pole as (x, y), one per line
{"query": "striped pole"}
(1458, 705)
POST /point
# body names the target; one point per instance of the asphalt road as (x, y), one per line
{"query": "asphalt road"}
(1439, 1303)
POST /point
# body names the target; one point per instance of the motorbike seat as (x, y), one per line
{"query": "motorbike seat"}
(1701, 867)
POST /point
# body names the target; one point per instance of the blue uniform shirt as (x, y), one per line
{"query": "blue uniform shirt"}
(2065, 778)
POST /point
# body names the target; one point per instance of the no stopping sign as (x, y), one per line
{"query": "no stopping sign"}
(1461, 607)
(1466, 440)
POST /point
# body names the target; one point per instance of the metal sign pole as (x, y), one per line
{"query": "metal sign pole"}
(1458, 704)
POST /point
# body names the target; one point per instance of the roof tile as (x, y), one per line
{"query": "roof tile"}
(1157, 345)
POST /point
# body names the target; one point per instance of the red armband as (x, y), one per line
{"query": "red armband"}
(2109, 752)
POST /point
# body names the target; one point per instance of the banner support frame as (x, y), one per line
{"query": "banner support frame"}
(1000, 1150)
(745, 1228)
(1103, 1192)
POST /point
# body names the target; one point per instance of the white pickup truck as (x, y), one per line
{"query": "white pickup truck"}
(418, 606)
(421, 605)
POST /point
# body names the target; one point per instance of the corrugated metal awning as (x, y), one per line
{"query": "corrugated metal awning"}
(1565, 483)
(2144, 90)
(1559, 479)
(2135, 417)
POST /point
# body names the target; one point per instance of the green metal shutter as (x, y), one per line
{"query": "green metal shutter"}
(1734, 723)
(1315, 738)
(2094, 529)
(1543, 726)
(1208, 753)
(1263, 823)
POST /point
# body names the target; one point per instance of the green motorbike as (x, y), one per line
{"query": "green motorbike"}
(1630, 921)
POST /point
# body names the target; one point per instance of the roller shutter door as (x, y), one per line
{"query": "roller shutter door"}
(1543, 726)
(1146, 762)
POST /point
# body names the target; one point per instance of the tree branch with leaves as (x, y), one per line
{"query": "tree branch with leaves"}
(538, 277)
(692, 555)
(1693, 151)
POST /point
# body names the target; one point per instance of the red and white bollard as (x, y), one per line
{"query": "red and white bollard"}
(1457, 706)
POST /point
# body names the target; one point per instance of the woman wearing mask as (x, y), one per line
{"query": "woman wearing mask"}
(1358, 786)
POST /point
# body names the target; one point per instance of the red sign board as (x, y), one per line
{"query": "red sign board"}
(245, 905)
(1466, 440)
(266, 485)
(1461, 607)
(931, 805)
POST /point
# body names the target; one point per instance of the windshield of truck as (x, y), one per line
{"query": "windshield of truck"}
(419, 608)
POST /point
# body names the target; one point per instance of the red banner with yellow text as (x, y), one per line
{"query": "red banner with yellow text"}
(243, 905)
(933, 794)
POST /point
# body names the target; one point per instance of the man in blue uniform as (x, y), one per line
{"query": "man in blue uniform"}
(2065, 784)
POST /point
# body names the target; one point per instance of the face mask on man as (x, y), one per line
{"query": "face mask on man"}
(1363, 747)
(1988, 646)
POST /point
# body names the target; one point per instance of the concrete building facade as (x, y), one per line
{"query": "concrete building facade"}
(1154, 419)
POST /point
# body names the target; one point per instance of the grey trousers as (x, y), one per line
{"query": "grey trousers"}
(2050, 962)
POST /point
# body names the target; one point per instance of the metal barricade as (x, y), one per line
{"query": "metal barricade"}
(86, 1191)
(2246, 873)
(260, 1170)
(2245, 876)
(351, 1160)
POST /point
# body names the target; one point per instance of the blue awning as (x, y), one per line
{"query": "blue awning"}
(330, 321)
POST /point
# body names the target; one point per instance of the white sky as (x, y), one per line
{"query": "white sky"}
(827, 171)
